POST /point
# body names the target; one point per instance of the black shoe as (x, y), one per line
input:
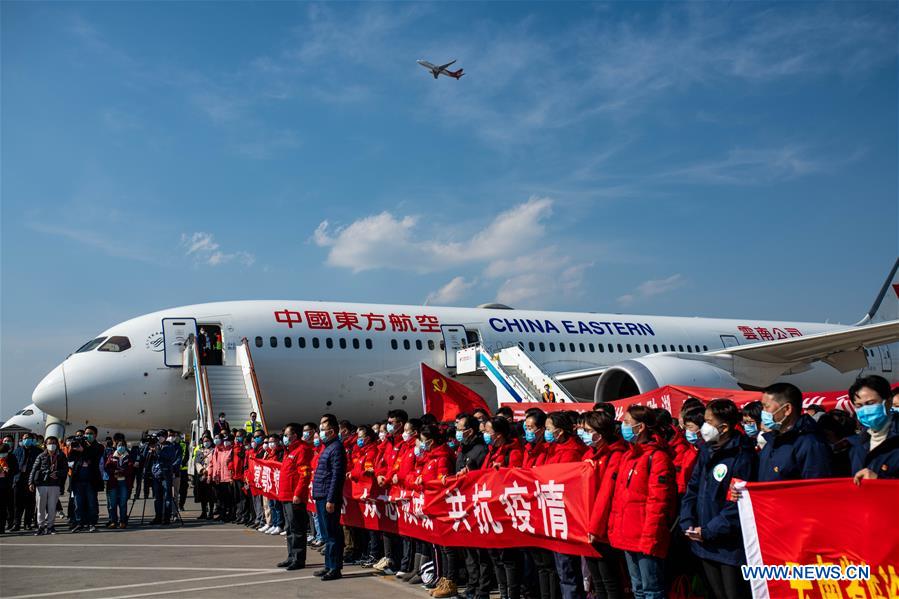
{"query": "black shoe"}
(321, 572)
(155, 521)
(75, 528)
(285, 563)
(295, 566)
(332, 575)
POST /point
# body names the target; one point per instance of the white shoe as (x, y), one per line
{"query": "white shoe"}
(400, 574)
(283, 533)
(274, 531)
(264, 528)
(382, 564)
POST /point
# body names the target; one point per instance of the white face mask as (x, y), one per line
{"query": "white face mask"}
(51, 447)
(407, 436)
(382, 435)
(709, 433)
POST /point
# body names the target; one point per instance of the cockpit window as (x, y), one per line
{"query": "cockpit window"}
(115, 344)
(28, 412)
(90, 345)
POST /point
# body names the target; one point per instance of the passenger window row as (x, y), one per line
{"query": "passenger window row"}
(344, 343)
(600, 348)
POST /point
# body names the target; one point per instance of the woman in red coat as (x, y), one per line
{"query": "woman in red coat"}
(643, 503)
(606, 451)
(504, 451)
(565, 447)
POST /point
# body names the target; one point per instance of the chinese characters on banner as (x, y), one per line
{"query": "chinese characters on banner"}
(830, 522)
(547, 506)
(354, 321)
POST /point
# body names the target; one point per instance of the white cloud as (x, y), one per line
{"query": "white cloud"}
(652, 288)
(205, 250)
(503, 252)
(451, 292)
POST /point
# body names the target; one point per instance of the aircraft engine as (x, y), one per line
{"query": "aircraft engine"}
(633, 377)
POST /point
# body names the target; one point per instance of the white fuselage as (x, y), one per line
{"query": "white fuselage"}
(320, 370)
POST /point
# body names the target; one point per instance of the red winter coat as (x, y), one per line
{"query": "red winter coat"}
(570, 449)
(683, 454)
(390, 449)
(535, 453)
(644, 500)
(507, 455)
(296, 472)
(404, 462)
(606, 462)
(365, 459)
(433, 464)
(220, 471)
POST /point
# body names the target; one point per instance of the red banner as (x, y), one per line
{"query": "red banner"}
(547, 506)
(264, 477)
(445, 398)
(672, 397)
(823, 522)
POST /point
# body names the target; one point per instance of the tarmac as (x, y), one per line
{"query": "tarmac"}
(172, 561)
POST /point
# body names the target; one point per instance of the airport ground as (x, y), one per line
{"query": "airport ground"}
(172, 561)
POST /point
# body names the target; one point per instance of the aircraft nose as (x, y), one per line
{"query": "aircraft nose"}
(50, 394)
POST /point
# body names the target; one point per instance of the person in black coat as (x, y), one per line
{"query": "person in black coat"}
(48, 479)
(793, 447)
(874, 452)
(9, 471)
(327, 491)
(707, 517)
(221, 426)
(26, 453)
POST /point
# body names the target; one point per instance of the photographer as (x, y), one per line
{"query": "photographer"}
(82, 485)
(163, 458)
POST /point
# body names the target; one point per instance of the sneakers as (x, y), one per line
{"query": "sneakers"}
(381, 564)
(401, 574)
(264, 528)
(52, 530)
(76, 528)
(91, 528)
(274, 531)
(445, 589)
(283, 533)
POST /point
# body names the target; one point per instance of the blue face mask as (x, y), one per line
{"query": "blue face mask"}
(872, 416)
(217, 441)
(530, 436)
(286, 440)
(451, 444)
(316, 443)
(390, 428)
(895, 409)
(89, 436)
(340, 436)
(28, 442)
(768, 419)
(459, 437)
(548, 436)
(627, 433)
(488, 438)
(360, 441)
(417, 450)
(692, 437)
(586, 437)
(751, 429)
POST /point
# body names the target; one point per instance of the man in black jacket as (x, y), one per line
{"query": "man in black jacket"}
(94, 452)
(327, 491)
(471, 456)
(26, 453)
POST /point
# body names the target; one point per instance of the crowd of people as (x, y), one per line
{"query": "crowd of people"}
(664, 500)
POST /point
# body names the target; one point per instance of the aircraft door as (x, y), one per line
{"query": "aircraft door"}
(453, 340)
(886, 359)
(175, 332)
(729, 341)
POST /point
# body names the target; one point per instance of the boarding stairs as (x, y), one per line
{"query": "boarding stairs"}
(515, 374)
(231, 388)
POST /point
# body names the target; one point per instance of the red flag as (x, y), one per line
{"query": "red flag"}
(445, 398)
(822, 522)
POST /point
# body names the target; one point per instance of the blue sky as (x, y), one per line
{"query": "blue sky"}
(721, 159)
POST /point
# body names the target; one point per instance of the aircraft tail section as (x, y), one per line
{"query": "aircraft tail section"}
(886, 304)
(457, 74)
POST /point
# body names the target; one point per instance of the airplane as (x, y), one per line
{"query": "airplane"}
(360, 360)
(33, 419)
(436, 71)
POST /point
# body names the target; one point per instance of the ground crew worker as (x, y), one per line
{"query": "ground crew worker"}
(548, 395)
(252, 425)
(182, 479)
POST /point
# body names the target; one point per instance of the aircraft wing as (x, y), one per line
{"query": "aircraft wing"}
(573, 375)
(443, 66)
(841, 349)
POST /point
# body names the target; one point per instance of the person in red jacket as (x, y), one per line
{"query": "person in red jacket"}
(643, 503)
(606, 451)
(362, 474)
(535, 446)
(293, 492)
(683, 453)
(546, 584)
(403, 464)
(393, 443)
(504, 451)
(565, 447)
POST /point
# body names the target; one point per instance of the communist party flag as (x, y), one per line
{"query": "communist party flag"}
(445, 398)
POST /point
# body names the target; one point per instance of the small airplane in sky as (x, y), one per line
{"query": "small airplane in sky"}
(436, 71)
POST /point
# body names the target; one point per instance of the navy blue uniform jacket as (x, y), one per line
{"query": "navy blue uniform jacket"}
(798, 454)
(884, 460)
(330, 473)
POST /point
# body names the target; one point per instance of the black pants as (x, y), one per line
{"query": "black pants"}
(375, 545)
(547, 578)
(449, 557)
(6, 506)
(296, 523)
(182, 489)
(507, 567)
(479, 566)
(393, 548)
(606, 573)
(25, 506)
(225, 499)
(725, 581)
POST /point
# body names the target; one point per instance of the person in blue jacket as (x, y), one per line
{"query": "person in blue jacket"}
(874, 452)
(793, 447)
(707, 517)
(327, 491)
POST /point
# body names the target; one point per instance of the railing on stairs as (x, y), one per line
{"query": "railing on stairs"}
(245, 361)
(190, 365)
(503, 368)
